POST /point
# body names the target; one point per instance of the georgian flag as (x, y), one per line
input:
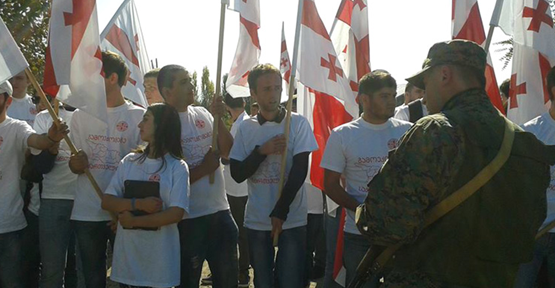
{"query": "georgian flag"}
(12, 62)
(530, 23)
(248, 47)
(467, 25)
(73, 57)
(284, 62)
(123, 35)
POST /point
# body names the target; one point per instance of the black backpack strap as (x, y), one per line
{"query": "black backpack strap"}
(415, 111)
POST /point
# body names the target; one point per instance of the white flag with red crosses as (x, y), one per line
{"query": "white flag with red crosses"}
(531, 24)
(284, 63)
(123, 35)
(467, 24)
(12, 62)
(73, 57)
(248, 47)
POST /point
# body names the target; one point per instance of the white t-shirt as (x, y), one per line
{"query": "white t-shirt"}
(358, 150)
(196, 140)
(263, 184)
(543, 127)
(105, 146)
(314, 199)
(403, 112)
(57, 183)
(13, 143)
(150, 258)
(23, 109)
(231, 187)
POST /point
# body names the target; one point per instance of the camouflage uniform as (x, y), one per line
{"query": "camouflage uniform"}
(478, 244)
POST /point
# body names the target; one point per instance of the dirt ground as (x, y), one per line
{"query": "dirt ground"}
(205, 272)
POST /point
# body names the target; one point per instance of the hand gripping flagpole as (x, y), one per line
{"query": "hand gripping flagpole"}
(218, 82)
(72, 147)
(290, 103)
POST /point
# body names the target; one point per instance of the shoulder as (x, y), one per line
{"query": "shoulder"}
(534, 123)
(131, 157)
(135, 109)
(347, 127)
(298, 119)
(435, 130)
(396, 123)
(43, 116)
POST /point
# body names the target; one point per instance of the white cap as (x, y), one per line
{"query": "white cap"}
(6, 87)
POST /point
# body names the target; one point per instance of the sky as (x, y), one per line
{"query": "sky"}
(185, 32)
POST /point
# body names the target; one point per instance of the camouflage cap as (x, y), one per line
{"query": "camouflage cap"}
(456, 52)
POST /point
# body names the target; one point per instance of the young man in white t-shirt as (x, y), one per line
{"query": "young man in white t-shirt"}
(543, 127)
(358, 150)
(102, 146)
(22, 107)
(15, 137)
(256, 157)
(208, 231)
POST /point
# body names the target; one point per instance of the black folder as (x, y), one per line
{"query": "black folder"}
(141, 189)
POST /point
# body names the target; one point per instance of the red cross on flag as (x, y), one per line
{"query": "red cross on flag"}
(123, 36)
(530, 23)
(351, 40)
(73, 57)
(324, 95)
(248, 47)
(284, 61)
(11, 60)
(467, 25)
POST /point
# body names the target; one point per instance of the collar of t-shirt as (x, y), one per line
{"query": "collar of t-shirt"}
(24, 99)
(119, 108)
(279, 117)
(368, 125)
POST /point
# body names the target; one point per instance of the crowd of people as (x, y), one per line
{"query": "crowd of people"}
(170, 201)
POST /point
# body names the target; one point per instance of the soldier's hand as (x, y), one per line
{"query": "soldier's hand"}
(275, 145)
(78, 162)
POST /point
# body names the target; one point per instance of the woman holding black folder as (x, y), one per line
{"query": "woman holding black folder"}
(150, 191)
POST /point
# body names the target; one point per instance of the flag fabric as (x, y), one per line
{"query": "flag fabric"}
(467, 25)
(533, 55)
(123, 35)
(73, 57)
(284, 62)
(12, 62)
(248, 47)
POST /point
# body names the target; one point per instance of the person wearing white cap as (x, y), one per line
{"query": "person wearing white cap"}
(15, 137)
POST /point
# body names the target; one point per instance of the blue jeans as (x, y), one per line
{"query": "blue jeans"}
(332, 226)
(11, 256)
(56, 234)
(213, 238)
(528, 272)
(290, 262)
(355, 246)
(92, 240)
(31, 251)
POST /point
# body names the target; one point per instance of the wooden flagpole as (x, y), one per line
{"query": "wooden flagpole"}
(72, 147)
(290, 103)
(218, 82)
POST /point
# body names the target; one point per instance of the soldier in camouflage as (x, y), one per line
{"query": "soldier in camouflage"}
(482, 241)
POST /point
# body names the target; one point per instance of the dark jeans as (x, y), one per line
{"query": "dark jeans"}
(57, 244)
(355, 247)
(31, 251)
(92, 241)
(315, 245)
(213, 238)
(237, 207)
(332, 227)
(289, 267)
(11, 256)
(544, 252)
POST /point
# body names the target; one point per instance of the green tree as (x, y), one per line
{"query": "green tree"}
(27, 21)
(194, 81)
(207, 88)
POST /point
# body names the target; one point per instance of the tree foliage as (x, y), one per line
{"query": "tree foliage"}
(28, 20)
(207, 88)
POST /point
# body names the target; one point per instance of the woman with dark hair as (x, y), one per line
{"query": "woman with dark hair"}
(149, 256)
